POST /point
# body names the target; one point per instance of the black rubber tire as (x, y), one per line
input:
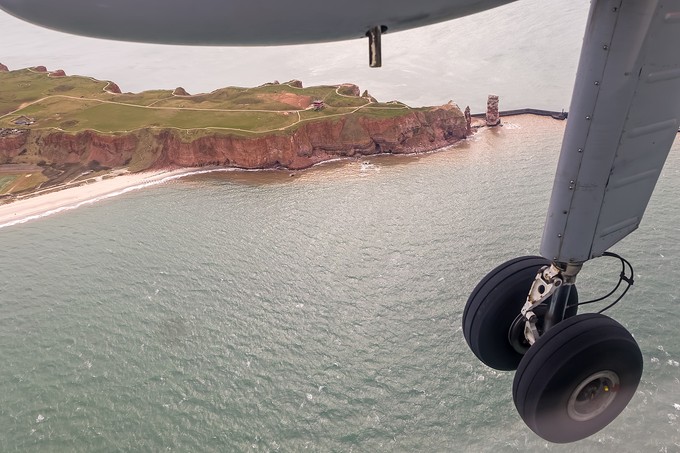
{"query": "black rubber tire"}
(493, 306)
(575, 352)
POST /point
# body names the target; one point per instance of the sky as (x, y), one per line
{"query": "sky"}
(525, 52)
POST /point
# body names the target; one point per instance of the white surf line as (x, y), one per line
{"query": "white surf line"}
(114, 193)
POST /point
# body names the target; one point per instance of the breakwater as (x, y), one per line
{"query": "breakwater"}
(553, 114)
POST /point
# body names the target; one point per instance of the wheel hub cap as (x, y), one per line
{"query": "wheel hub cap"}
(593, 395)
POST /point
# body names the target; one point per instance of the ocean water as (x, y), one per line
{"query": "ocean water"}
(321, 312)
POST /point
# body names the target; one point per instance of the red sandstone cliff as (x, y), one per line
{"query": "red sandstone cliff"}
(111, 87)
(349, 89)
(308, 144)
(11, 145)
(294, 83)
(87, 146)
(3, 68)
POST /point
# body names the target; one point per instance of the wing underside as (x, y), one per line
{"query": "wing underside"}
(237, 22)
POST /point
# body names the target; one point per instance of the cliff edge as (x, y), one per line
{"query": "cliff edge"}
(95, 127)
(308, 144)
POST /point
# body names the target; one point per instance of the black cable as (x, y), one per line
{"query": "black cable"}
(622, 278)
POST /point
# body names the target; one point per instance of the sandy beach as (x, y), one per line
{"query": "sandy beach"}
(43, 205)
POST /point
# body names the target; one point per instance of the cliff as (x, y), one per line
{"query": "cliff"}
(113, 88)
(69, 126)
(317, 141)
(179, 91)
(309, 143)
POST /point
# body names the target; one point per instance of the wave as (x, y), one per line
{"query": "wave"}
(112, 194)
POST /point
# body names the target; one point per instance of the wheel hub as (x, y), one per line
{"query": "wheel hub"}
(593, 395)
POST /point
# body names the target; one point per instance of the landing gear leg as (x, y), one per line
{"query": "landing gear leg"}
(575, 373)
(492, 323)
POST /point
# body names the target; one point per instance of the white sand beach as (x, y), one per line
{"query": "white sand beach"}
(43, 205)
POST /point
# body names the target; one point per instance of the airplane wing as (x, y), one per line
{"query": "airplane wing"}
(237, 22)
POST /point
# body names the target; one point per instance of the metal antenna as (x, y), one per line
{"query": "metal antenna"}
(374, 46)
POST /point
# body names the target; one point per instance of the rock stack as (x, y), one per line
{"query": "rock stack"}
(468, 119)
(493, 118)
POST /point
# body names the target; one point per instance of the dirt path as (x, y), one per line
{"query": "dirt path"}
(153, 107)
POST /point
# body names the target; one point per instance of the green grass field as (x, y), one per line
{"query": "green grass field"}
(76, 103)
(19, 182)
(6, 181)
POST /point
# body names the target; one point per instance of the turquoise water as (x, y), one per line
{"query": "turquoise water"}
(320, 312)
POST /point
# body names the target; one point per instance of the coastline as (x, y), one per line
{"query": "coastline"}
(37, 206)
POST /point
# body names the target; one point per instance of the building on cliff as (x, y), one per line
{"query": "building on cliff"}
(24, 121)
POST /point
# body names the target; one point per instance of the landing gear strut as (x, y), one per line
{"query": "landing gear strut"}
(575, 372)
(492, 323)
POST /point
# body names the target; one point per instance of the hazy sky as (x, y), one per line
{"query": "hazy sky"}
(526, 52)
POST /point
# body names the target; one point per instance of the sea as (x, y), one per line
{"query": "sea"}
(318, 310)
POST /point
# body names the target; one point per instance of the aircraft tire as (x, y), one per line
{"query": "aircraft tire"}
(577, 378)
(493, 306)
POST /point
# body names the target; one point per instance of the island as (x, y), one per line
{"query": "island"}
(58, 130)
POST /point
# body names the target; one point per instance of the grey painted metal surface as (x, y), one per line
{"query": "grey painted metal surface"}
(237, 22)
(624, 116)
